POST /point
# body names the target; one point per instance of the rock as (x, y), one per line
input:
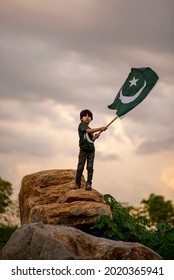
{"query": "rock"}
(52, 242)
(48, 197)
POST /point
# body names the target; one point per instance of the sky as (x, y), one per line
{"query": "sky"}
(60, 57)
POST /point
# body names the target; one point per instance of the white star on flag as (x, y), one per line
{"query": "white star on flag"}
(133, 82)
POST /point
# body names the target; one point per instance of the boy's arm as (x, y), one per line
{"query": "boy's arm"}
(92, 130)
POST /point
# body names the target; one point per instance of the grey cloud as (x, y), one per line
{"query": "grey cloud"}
(101, 28)
(95, 25)
(85, 63)
(13, 142)
(108, 44)
(24, 78)
(109, 156)
(153, 146)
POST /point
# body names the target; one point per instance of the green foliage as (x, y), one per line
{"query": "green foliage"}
(163, 240)
(5, 193)
(158, 209)
(5, 233)
(126, 227)
(122, 226)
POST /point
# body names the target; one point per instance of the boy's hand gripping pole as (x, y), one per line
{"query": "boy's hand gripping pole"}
(106, 126)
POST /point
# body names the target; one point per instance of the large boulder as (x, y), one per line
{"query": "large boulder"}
(53, 242)
(48, 197)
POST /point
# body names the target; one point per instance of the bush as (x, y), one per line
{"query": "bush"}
(163, 240)
(122, 226)
(127, 228)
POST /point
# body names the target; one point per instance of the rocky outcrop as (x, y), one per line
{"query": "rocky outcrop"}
(54, 217)
(50, 242)
(48, 197)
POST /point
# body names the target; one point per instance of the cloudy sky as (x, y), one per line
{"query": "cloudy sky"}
(58, 57)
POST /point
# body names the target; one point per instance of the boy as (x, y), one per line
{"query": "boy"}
(87, 149)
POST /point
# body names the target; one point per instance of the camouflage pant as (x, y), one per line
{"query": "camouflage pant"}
(85, 157)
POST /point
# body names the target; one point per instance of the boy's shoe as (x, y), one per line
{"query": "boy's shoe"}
(76, 187)
(88, 187)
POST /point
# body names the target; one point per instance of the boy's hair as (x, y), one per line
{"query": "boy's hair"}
(85, 112)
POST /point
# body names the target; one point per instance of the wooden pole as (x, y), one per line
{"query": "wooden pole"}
(106, 126)
(112, 121)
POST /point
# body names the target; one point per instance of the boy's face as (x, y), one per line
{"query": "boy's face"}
(86, 119)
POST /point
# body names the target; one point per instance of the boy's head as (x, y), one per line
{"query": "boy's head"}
(86, 112)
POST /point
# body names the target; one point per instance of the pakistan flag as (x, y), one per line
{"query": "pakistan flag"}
(136, 87)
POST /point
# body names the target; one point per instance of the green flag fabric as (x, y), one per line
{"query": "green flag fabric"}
(136, 87)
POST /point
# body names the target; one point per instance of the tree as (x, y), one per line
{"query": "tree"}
(158, 209)
(5, 193)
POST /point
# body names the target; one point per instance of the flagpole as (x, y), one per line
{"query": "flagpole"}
(106, 126)
(112, 121)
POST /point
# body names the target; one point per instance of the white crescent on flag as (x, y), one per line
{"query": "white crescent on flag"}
(127, 99)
